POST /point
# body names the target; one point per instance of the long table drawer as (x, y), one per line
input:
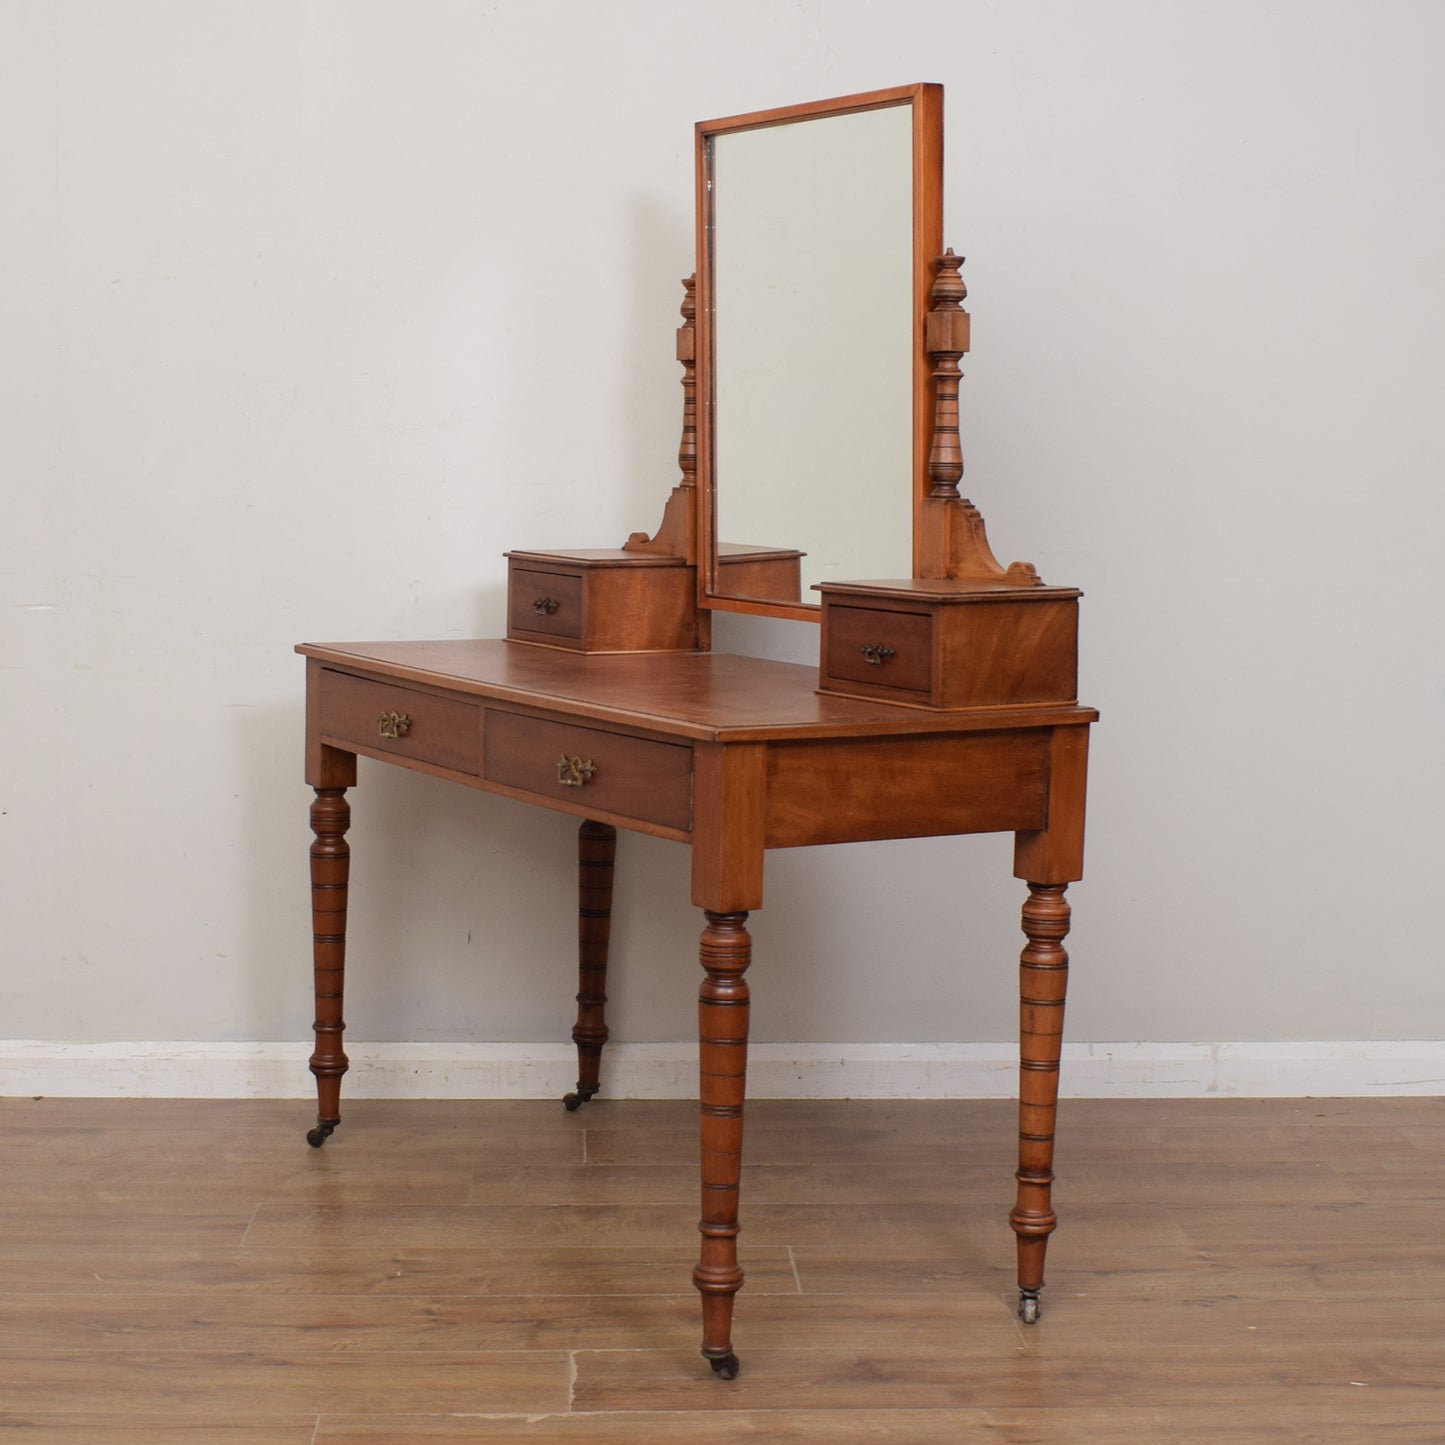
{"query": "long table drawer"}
(605, 771)
(381, 717)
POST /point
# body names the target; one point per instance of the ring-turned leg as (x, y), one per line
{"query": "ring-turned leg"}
(722, 1018)
(1043, 978)
(596, 852)
(330, 870)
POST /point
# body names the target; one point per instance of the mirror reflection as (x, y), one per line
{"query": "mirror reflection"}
(812, 252)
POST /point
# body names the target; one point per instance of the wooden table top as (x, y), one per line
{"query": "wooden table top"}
(712, 696)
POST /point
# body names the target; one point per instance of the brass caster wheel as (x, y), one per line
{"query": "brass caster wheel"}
(573, 1102)
(322, 1132)
(1029, 1306)
(725, 1365)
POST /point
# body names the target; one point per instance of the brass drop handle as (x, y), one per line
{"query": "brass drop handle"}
(875, 654)
(394, 724)
(545, 606)
(575, 772)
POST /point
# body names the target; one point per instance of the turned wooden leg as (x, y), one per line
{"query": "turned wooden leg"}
(1043, 978)
(330, 869)
(722, 1021)
(596, 851)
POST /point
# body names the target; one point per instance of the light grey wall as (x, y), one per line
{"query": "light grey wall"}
(310, 311)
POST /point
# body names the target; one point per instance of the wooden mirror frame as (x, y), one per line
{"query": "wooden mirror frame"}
(926, 101)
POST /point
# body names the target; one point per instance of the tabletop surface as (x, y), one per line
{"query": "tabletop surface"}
(714, 696)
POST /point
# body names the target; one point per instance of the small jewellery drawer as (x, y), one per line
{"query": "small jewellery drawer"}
(602, 600)
(545, 602)
(879, 647)
(381, 717)
(950, 643)
(609, 772)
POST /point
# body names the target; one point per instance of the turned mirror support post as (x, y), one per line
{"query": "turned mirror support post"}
(596, 853)
(952, 541)
(946, 340)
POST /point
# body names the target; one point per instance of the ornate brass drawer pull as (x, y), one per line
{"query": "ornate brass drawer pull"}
(394, 724)
(573, 772)
(546, 606)
(875, 654)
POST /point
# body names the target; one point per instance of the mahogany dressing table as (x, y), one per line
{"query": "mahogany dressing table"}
(944, 702)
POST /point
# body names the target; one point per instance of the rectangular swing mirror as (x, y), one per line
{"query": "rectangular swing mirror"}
(818, 229)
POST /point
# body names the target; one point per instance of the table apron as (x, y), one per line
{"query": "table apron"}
(856, 790)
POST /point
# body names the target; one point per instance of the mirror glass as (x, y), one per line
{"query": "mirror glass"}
(812, 336)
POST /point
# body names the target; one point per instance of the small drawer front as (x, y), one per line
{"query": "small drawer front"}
(381, 717)
(545, 602)
(609, 772)
(881, 648)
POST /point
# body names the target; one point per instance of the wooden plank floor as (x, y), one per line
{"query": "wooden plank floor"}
(186, 1272)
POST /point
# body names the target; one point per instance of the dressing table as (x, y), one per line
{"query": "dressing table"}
(820, 349)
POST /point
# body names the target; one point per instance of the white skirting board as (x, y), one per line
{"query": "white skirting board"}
(154, 1070)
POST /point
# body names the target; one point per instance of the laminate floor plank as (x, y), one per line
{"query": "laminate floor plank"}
(224, 1386)
(640, 1427)
(385, 1270)
(1392, 1424)
(877, 1147)
(677, 1183)
(501, 1226)
(973, 1376)
(1324, 1280)
(81, 1225)
(185, 1429)
(266, 1174)
(251, 1325)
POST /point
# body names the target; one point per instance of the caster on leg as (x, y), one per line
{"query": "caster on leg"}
(322, 1132)
(725, 1365)
(1029, 1306)
(573, 1102)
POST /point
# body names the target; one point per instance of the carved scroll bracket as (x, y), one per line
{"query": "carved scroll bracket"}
(677, 536)
(955, 544)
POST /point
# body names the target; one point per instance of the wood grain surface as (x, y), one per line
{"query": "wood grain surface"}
(1226, 1270)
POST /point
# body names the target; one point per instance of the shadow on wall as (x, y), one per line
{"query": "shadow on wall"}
(273, 994)
(659, 254)
(462, 908)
